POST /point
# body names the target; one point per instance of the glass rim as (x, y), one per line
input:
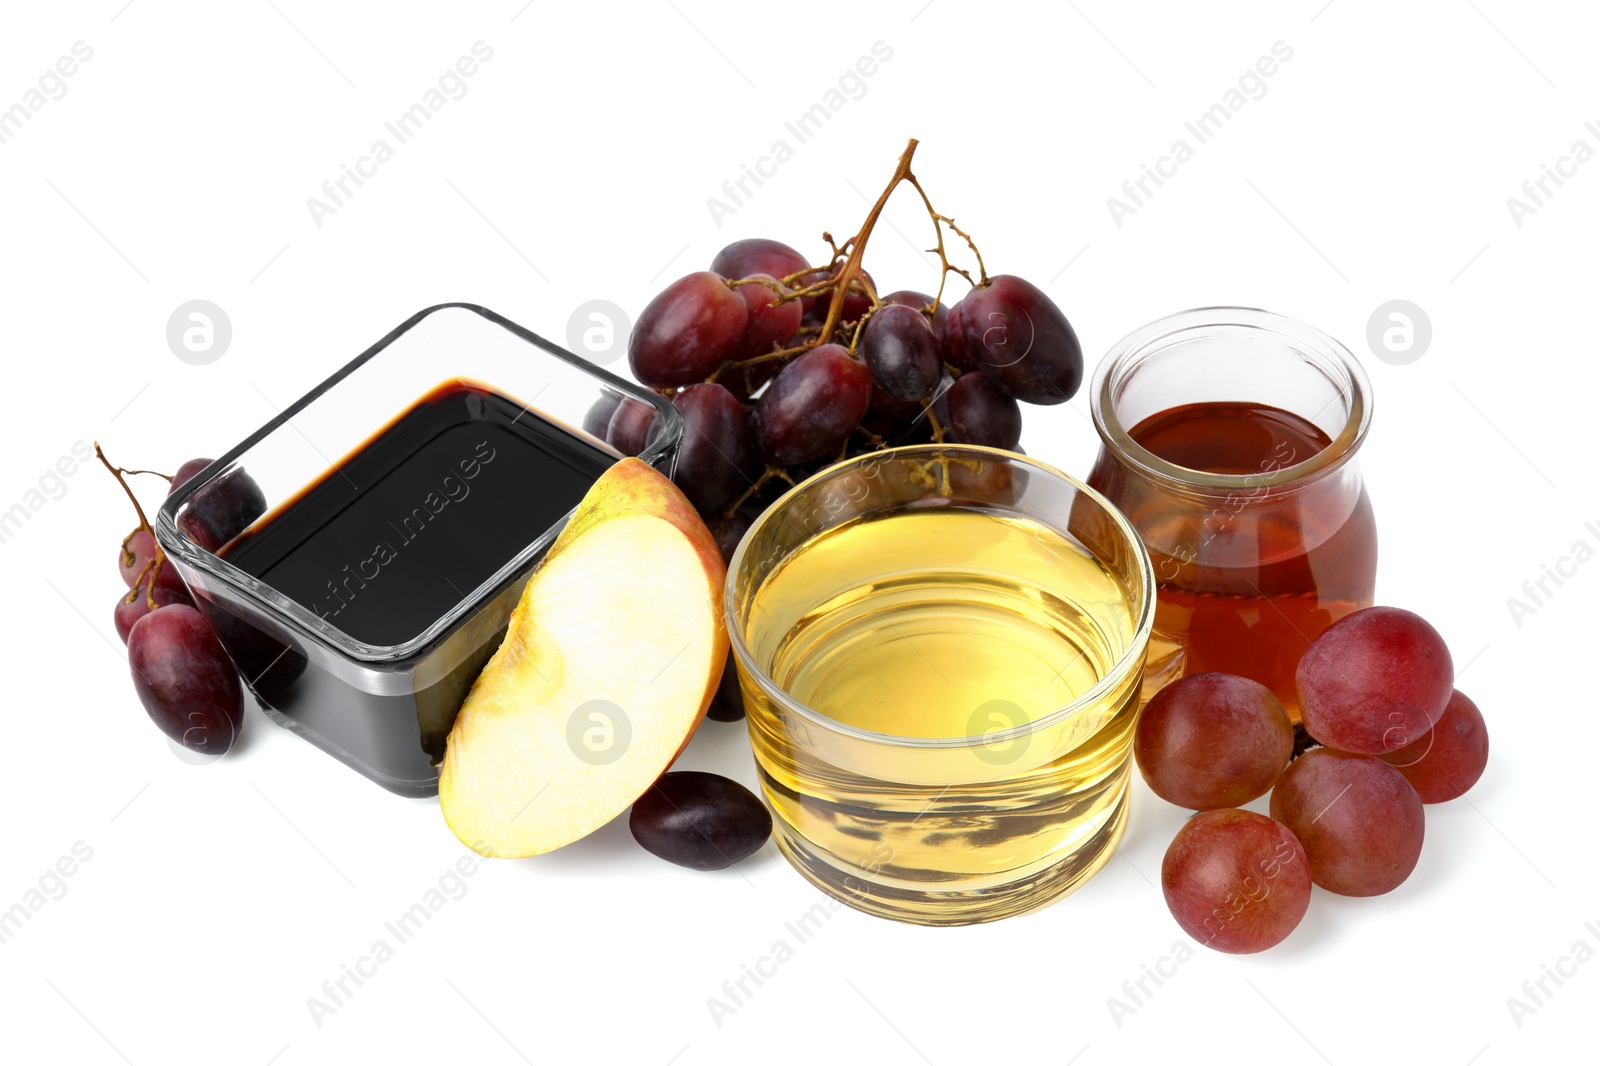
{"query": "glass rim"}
(303, 622)
(1132, 657)
(1331, 357)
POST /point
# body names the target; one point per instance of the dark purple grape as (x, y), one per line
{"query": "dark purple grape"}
(221, 509)
(956, 352)
(856, 300)
(771, 323)
(187, 684)
(714, 458)
(919, 301)
(810, 408)
(727, 704)
(691, 328)
(1358, 818)
(164, 574)
(1022, 341)
(632, 426)
(1236, 881)
(185, 472)
(598, 418)
(140, 601)
(760, 255)
(267, 664)
(1450, 757)
(134, 556)
(896, 421)
(745, 382)
(900, 349)
(981, 414)
(728, 532)
(700, 820)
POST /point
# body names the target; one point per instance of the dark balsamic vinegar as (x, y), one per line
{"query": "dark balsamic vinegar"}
(385, 544)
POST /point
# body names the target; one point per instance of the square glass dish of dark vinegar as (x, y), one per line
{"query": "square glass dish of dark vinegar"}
(407, 499)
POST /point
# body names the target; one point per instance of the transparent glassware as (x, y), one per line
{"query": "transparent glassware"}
(385, 710)
(1250, 566)
(958, 817)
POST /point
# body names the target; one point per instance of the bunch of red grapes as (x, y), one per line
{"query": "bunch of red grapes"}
(1377, 692)
(184, 679)
(780, 367)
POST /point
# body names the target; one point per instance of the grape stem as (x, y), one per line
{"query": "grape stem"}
(118, 472)
(152, 569)
(858, 245)
(756, 486)
(839, 279)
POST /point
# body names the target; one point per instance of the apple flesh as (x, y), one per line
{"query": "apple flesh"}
(609, 662)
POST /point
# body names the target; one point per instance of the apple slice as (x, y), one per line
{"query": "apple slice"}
(609, 663)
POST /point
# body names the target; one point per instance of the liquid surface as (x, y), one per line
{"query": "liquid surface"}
(910, 625)
(427, 510)
(1247, 579)
(1230, 438)
(944, 623)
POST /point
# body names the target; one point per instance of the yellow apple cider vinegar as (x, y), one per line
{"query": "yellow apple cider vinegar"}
(942, 691)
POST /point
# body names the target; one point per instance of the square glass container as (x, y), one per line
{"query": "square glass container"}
(385, 710)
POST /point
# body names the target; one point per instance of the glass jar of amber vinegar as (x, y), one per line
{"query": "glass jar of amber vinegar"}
(1229, 439)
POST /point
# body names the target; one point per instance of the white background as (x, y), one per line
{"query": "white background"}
(577, 167)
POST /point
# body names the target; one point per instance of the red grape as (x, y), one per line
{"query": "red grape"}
(137, 551)
(1450, 757)
(167, 575)
(185, 472)
(956, 352)
(810, 408)
(1236, 881)
(598, 418)
(759, 255)
(1374, 681)
(1212, 740)
(920, 301)
(1022, 341)
(856, 300)
(901, 350)
(770, 323)
(1358, 818)
(727, 704)
(268, 665)
(221, 509)
(632, 426)
(700, 820)
(728, 532)
(714, 458)
(745, 382)
(140, 601)
(896, 421)
(981, 414)
(690, 329)
(184, 679)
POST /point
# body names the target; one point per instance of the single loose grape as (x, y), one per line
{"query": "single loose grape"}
(1358, 818)
(1374, 681)
(1236, 881)
(700, 820)
(1450, 757)
(1212, 740)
